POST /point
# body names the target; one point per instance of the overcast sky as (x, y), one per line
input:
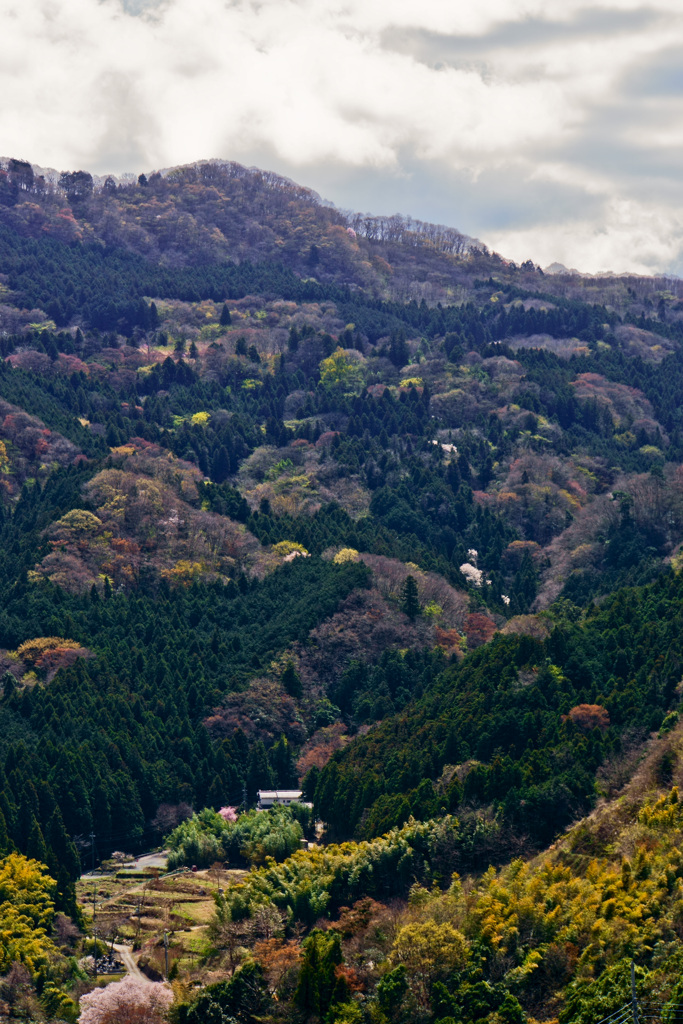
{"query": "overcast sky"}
(550, 129)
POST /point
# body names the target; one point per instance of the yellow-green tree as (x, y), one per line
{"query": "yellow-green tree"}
(429, 951)
(27, 895)
(340, 372)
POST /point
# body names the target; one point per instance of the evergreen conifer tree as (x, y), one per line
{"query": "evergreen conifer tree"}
(5, 841)
(410, 603)
(35, 846)
(291, 681)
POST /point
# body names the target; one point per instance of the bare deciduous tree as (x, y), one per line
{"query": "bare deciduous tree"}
(65, 931)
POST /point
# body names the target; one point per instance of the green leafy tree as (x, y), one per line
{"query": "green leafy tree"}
(244, 999)
(392, 990)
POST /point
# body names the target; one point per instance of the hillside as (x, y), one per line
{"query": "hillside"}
(294, 496)
(543, 938)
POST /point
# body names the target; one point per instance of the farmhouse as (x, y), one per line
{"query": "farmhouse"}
(269, 797)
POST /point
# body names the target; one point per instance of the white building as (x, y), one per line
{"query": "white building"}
(269, 797)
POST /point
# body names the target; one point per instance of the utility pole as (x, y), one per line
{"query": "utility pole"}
(166, 953)
(634, 1001)
(94, 923)
(139, 915)
(92, 849)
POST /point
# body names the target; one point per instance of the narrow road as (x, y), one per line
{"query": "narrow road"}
(151, 860)
(129, 963)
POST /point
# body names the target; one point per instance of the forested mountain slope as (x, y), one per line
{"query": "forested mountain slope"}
(293, 496)
(545, 938)
(527, 722)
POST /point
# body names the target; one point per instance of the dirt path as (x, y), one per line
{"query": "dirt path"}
(129, 962)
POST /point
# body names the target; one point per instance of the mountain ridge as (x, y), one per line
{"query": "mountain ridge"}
(374, 512)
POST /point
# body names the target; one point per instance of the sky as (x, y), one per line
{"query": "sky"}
(552, 130)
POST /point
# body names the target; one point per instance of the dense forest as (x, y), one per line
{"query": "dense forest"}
(297, 498)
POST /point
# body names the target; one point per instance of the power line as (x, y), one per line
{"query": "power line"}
(108, 837)
(635, 1012)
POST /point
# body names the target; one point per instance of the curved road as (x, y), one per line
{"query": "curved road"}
(129, 963)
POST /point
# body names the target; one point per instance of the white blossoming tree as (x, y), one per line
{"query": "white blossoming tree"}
(130, 1001)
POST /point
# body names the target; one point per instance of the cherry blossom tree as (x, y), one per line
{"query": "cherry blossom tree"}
(130, 1001)
(228, 813)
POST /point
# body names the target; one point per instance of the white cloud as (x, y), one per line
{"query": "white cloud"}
(318, 86)
(628, 237)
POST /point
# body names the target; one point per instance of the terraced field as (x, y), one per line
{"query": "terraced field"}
(134, 909)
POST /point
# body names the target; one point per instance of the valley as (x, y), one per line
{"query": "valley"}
(292, 497)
